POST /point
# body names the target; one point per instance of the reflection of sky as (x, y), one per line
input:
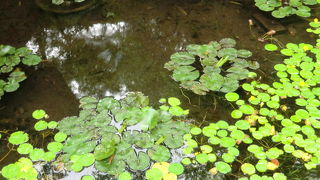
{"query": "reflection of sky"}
(57, 44)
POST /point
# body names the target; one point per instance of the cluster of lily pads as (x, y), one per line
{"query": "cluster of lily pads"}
(273, 130)
(122, 135)
(24, 167)
(11, 57)
(216, 66)
(281, 9)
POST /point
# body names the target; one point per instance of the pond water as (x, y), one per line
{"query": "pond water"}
(122, 46)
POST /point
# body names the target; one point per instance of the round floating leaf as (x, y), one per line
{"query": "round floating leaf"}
(41, 125)
(125, 176)
(39, 114)
(279, 176)
(52, 124)
(55, 146)
(60, 137)
(236, 114)
(212, 157)
(174, 101)
(159, 153)
(31, 60)
(227, 142)
(195, 131)
(223, 167)
(10, 171)
(222, 124)
(176, 168)
(86, 159)
(248, 168)
(214, 140)
(37, 154)
(186, 161)
(154, 174)
(242, 124)
(270, 47)
(18, 137)
(138, 162)
(25, 148)
(202, 158)
(49, 156)
(228, 158)
(87, 177)
(261, 166)
(247, 109)
(206, 149)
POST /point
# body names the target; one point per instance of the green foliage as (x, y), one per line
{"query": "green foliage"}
(273, 135)
(282, 9)
(22, 169)
(214, 58)
(10, 58)
(114, 148)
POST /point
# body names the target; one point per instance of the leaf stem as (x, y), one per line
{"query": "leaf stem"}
(160, 140)
(7, 153)
(222, 61)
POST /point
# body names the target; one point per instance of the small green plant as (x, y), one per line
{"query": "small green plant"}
(24, 167)
(11, 57)
(281, 9)
(216, 66)
(269, 134)
(109, 133)
(165, 171)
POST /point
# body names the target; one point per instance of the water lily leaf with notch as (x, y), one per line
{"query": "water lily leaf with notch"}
(227, 42)
(243, 53)
(6, 69)
(223, 167)
(237, 73)
(108, 103)
(6, 49)
(231, 53)
(78, 144)
(138, 162)
(183, 58)
(18, 137)
(208, 62)
(135, 99)
(103, 151)
(144, 140)
(212, 81)
(11, 86)
(54, 146)
(185, 73)
(115, 167)
(159, 153)
(229, 85)
(23, 51)
(173, 141)
(12, 60)
(25, 148)
(31, 60)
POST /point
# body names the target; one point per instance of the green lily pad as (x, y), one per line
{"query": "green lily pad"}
(39, 114)
(24, 148)
(248, 168)
(176, 168)
(159, 153)
(223, 167)
(18, 137)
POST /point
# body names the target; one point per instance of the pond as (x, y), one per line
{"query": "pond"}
(122, 46)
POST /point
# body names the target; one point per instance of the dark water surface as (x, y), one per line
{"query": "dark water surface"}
(120, 47)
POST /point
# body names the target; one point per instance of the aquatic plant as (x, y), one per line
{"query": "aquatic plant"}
(111, 134)
(270, 135)
(216, 66)
(24, 167)
(164, 170)
(10, 58)
(281, 9)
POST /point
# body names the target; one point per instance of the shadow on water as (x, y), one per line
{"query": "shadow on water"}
(121, 47)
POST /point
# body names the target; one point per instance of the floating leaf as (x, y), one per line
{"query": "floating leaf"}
(248, 168)
(159, 153)
(18, 137)
(223, 167)
(25, 148)
(39, 114)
